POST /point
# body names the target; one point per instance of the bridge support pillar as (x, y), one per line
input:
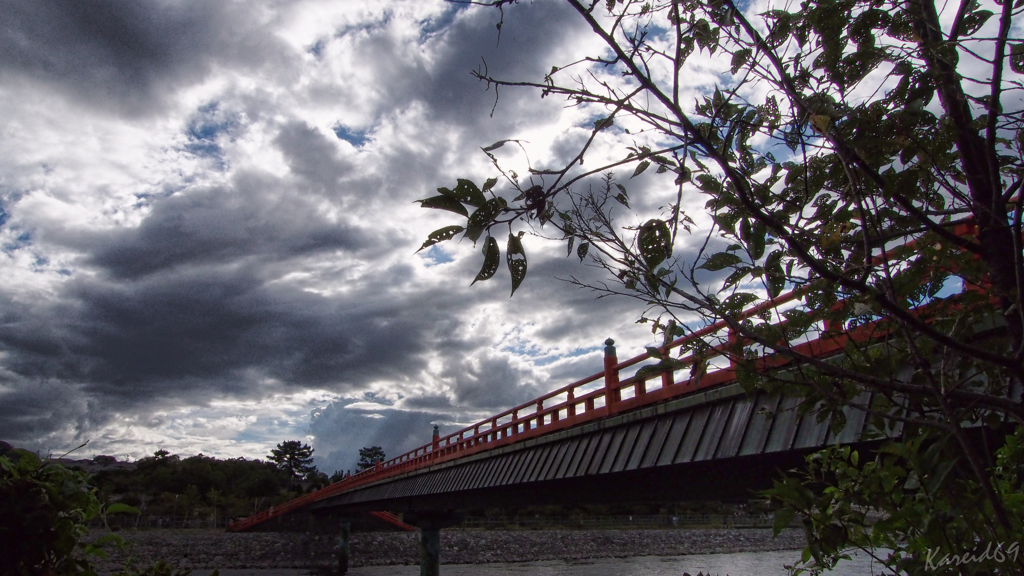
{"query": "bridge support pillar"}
(344, 551)
(430, 525)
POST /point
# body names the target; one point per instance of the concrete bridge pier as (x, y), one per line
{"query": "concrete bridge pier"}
(430, 525)
(344, 551)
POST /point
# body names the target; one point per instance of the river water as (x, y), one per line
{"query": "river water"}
(736, 564)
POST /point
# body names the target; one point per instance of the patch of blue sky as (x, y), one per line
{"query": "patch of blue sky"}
(431, 26)
(354, 137)
(551, 359)
(252, 435)
(522, 348)
(317, 49)
(146, 198)
(4, 216)
(951, 286)
(434, 256)
(21, 241)
(378, 398)
(205, 129)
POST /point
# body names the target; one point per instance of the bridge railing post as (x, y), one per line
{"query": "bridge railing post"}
(733, 339)
(667, 377)
(611, 376)
(570, 406)
(435, 443)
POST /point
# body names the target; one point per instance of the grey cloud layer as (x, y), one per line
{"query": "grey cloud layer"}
(126, 55)
(262, 283)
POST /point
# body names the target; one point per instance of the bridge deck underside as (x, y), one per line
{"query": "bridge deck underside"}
(721, 443)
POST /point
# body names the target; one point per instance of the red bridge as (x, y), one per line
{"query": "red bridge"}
(682, 434)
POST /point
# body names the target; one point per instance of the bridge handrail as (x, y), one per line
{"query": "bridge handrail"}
(489, 434)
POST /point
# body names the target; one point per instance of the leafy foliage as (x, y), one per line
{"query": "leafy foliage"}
(914, 497)
(44, 509)
(868, 154)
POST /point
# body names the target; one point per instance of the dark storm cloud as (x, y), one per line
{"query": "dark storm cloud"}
(530, 33)
(127, 54)
(254, 218)
(340, 431)
(227, 330)
(490, 382)
(33, 410)
(311, 156)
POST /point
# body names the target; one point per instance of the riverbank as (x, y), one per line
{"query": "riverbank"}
(207, 549)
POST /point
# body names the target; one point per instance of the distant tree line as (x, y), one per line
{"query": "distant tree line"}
(198, 487)
(204, 488)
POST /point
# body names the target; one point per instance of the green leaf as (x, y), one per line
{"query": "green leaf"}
(782, 520)
(653, 352)
(444, 202)
(719, 261)
(468, 193)
(736, 276)
(603, 123)
(568, 250)
(757, 241)
(495, 146)
(483, 217)
(640, 168)
(740, 58)
(441, 235)
(622, 197)
(582, 250)
(119, 508)
(820, 122)
(737, 302)
(654, 241)
(1017, 58)
(775, 275)
(515, 256)
(492, 257)
(489, 183)
(975, 20)
(665, 365)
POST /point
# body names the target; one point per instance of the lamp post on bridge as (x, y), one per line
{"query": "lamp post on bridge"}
(611, 376)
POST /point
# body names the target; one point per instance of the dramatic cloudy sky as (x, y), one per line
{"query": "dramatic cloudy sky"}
(208, 235)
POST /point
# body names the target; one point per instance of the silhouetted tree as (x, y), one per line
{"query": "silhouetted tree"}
(369, 457)
(294, 457)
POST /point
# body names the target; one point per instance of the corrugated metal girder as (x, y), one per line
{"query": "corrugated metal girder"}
(727, 424)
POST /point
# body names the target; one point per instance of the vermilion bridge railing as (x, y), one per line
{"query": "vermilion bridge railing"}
(597, 396)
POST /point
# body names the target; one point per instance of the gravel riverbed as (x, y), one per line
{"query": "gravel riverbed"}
(207, 549)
